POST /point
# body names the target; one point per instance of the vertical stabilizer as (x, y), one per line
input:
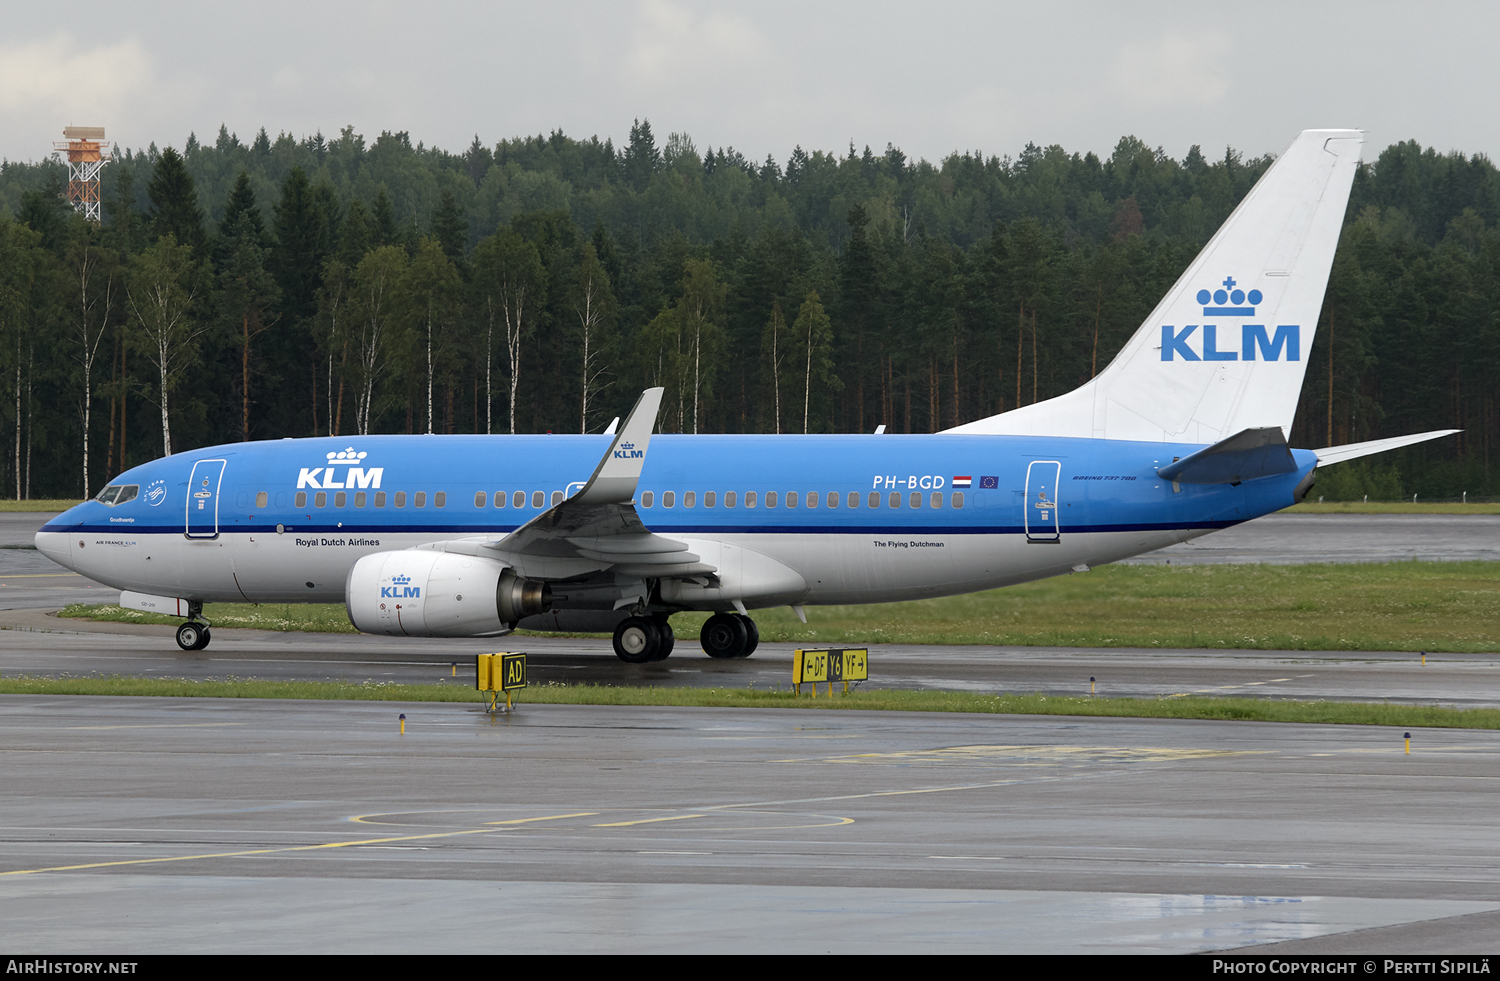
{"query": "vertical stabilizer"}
(1227, 347)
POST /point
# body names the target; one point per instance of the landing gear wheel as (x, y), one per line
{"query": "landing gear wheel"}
(668, 638)
(637, 640)
(203, 641)
(192, 636)
(752, 635)
(723, 636)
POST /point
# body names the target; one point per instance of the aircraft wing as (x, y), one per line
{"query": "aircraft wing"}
(598, 528)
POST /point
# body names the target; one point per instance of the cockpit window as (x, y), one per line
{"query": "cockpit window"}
(116, 494)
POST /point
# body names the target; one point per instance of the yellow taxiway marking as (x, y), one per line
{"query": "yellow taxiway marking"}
(1249, 684)
(550, 817)
(40, 575)
(676, 817)
(164, 725)
(256, 851)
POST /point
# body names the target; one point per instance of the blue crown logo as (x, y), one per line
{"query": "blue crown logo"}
(627, 446)
(1229, 302)
(401, 580)
(345, 456)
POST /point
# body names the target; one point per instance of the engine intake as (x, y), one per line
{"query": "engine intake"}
(421, 593)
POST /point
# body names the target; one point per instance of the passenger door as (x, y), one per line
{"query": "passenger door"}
(203, 499)
(1041, 501)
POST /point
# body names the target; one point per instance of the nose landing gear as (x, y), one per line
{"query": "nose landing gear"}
(194, 635)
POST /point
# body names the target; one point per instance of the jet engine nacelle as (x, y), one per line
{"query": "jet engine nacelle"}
(421, 593)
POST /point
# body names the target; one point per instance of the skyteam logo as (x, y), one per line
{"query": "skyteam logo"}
(1230, 301)
(627, 451)
(356, 476)
(401, 588)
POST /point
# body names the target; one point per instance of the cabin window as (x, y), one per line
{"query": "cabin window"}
(281, 499)
(340, 499)
(791, 498)
(647, 499)
(359, 499)
(833, 499)
(770, 499)
(812, 499)
(958, 499)
(500, 497)
(518, 499)
(668, 499)
(401, 499)
(689, 499)
(320, 499)
(302, 499)
(440, 499)
(895, 499)
(730, 499)
(242, 499)
(419, 499)
(538, 499)
(937, 499)
(260, 499)
(854, 499)
(749, 499)
(710, 498)
(480, 499)
(874, 500)
(380, 499)
(916, 499)
(557, 498)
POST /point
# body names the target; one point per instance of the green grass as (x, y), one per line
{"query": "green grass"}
(36, 504)
(1390, 507)
(1235, 709)
(1398, 606)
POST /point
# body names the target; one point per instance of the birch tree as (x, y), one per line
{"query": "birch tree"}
(161, 289)
(814, 335)
(511, 283)
(377, 306)
(594, 302)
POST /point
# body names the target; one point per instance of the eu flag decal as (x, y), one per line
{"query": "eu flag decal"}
(989, 483)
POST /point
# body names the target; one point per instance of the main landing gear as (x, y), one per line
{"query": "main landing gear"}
(642, 639)
(194, 635)
(728, 635)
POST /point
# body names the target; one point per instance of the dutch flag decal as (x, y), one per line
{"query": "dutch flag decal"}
(962, 481)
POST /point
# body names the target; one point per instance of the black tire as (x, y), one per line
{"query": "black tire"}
(668, 638)
(190, 636)
(723, 636)
(637, 640)
(208, 635)
(752, 636)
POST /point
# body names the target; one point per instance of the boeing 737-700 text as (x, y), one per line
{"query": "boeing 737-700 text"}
(462, 536)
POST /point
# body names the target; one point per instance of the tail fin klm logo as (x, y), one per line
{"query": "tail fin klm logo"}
(1256, 342)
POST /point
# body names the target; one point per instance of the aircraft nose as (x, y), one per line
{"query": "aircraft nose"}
(54, 545)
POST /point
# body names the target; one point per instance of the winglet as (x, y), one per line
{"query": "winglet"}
(618, 472)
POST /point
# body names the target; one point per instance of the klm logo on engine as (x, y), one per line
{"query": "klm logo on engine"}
(627, 451)
(401, 588)
(357, 476)
(1196, 342)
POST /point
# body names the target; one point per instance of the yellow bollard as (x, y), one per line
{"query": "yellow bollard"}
(1091, 686)
(1408, 744)
(1424, 659)
(403, 723)
(455, 669)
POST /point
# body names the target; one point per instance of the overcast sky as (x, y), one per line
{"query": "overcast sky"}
(762, 76)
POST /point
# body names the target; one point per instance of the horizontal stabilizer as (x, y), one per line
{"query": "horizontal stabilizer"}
(1329, 455)
(1246, 455)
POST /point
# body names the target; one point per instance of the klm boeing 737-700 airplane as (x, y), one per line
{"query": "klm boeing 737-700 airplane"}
(473, 536)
